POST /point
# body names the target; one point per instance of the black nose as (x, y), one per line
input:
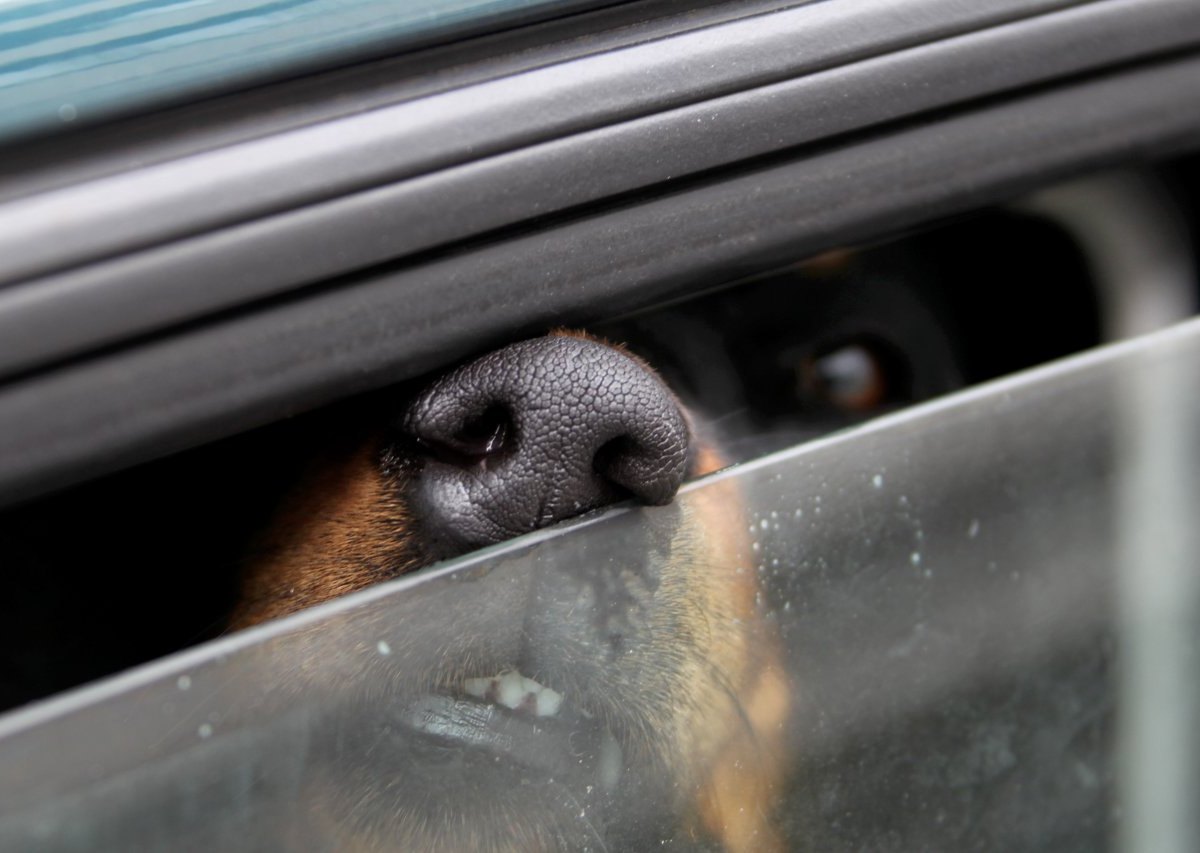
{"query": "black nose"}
(541, 431)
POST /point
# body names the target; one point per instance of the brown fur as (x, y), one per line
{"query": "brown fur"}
(345, 528)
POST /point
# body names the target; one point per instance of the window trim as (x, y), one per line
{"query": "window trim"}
(212, 380)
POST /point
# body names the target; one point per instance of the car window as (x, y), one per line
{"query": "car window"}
(962, 626)
(762, 363)
(908, 599)
(63, 63)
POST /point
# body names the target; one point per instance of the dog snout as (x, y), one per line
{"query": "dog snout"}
(540, 431)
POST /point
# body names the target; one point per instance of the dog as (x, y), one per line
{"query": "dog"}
(593, 704)
(667, 678)
(669, 666)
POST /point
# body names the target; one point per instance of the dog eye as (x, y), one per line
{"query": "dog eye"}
(855, 375)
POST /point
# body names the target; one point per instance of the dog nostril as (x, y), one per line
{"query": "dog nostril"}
(481, 438)
(607, 455)
(487, 434)
(611, 463)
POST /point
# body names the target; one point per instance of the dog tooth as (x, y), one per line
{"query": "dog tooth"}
(515, 691)
(548, 702)
(510, 689)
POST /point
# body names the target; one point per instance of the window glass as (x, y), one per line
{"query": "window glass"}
(66, 61)
(970, 625)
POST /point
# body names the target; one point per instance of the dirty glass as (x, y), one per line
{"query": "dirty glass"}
(967, 626)
(67, 61)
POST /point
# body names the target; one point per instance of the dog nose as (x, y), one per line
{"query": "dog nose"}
(537, 432)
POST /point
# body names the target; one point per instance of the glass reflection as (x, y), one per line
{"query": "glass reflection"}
(902, 637)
